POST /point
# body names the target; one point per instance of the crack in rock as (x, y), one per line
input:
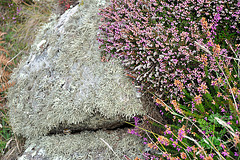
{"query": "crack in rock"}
(74, 130)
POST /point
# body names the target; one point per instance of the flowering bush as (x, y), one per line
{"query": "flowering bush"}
(174, 49)
(154, 46)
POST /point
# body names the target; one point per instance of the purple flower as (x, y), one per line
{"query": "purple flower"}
(225, 153)
(178, 149)
(222, 145)
(236, 154)
(201, 156)
(136, 119)
(189, 149)
(175, 61)
(174, 145)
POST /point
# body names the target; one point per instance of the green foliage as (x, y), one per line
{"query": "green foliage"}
(5, 132)
(213, 128)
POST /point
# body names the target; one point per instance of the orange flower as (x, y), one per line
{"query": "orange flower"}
(176, 106)
(234, 90)
(194, 149)
(160, 102)
(208, 158)
(204, 60)
(214, 83)
(236, 139)
(178, 84)
(203, 86)
(163, 140)
(183, 155)
(220, 80)
(216, 48)
(208, 33)
(204, 23)
(213, 102)
(219, 94)
(225, 97)
(152, 146)
(198, 99)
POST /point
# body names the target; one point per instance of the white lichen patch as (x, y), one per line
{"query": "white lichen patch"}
(65, 81)
(85, 146)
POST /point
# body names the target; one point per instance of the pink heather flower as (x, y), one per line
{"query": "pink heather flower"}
(18, 10)
(219, 8)
(225, 153)
(238, 4)
(178, 149)
(189, 149)
(236, 154)
(201, 156)
(174, 145)
(188, 131)
(211, 155)
(181, 134)
(222, 145)
(131, 131)
(210, 44)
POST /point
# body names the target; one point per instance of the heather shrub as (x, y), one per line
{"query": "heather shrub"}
(155, 41)
(210, 134)
(173, 50)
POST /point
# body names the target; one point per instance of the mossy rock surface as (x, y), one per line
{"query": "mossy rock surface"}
(85, 146)
(62, 84)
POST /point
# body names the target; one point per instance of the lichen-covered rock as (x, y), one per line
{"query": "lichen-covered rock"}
(64, 81)
(62, 84)
(85, 146)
